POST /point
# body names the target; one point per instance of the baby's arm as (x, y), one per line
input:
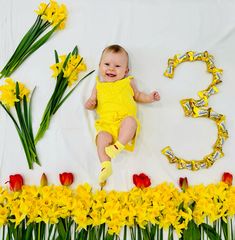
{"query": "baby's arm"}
(91, 102)
(142, 97)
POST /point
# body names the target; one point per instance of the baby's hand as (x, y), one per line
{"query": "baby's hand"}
(90, 104)
(154, 96)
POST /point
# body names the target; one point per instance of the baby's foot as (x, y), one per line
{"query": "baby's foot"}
(113, 150)
(106, 171)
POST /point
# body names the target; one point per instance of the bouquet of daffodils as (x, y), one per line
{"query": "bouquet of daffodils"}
(66, 71)
(16, 95)
(50, 15)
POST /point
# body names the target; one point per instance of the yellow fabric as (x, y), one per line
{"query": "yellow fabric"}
(106, 171)
(113, 150)
(115, 102)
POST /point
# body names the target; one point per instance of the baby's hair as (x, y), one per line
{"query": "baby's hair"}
(115, 48)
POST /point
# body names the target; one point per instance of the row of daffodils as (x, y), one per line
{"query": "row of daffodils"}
(144, 212)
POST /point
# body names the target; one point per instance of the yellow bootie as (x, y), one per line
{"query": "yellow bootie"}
(113, 150)
(106, 171)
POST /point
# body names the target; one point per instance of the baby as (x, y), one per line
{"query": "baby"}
(114, 96)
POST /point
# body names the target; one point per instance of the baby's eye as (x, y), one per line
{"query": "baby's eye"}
(118, 66)
(106, 64)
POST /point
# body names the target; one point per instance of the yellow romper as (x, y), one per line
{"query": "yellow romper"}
(115, 102)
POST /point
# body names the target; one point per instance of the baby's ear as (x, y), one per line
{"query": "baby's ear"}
(127, 71)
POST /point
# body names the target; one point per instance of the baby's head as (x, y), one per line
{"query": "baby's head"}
(113, 63)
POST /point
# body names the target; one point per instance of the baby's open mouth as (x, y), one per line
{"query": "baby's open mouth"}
(110, 75)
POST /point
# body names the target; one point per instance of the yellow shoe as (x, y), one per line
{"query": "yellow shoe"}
(106, 171)
(113, 150)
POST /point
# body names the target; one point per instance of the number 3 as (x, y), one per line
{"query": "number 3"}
(199, 108)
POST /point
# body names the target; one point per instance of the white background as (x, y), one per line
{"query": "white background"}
(151, 31)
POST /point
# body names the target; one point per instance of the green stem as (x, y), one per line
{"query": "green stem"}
(31, 48)
(22, 43)
(132, 233)
(228, 228)
(3, 232)
(23, 46)
(231, 228)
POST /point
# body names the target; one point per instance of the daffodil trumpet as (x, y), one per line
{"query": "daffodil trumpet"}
(16, 95)
(50, 14)
(66, 71)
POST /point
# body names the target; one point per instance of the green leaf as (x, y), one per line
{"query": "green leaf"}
(21, 135)
(22, 49)
(29, 231)
(70, 92)
(29, 50)
(41, 41)
(192, 232)
(61, 229)
(224, 228)
(25, 131)
(66, 60)
(52, 228)
(145, 235)
(29, 120)
(153, 230)
(210, 231)
(11, 116)
(170, 233)
(25, 107)
(161, 234)
(22, 45)
(110, 237)
(68, 229)
(82, 235)
(75, 51)
(125, 233)
(133, 234)
(139, 235)
(56, 57)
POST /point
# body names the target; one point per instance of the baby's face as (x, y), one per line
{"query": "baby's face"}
(113, 66)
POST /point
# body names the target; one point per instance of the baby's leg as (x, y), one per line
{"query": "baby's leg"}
(127, 130)
(103, 140)
(126, 133)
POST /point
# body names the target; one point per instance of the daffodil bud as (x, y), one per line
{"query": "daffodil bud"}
(43, 181)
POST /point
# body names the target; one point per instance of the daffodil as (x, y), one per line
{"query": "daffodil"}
(51, 16)
(15, 94)
(66, 71)
(104, 214)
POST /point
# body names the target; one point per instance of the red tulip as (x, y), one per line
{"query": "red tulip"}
(227, 178)
(141, 180)
(16, 182)
(43, 181)
(66, 179)
(183, 183)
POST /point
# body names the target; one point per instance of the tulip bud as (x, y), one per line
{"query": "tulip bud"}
(43, 181)
(183, 183)
(66, 179)
(227, 178)
(16, 182)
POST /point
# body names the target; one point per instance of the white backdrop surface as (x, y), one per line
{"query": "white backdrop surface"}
(151, 31)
